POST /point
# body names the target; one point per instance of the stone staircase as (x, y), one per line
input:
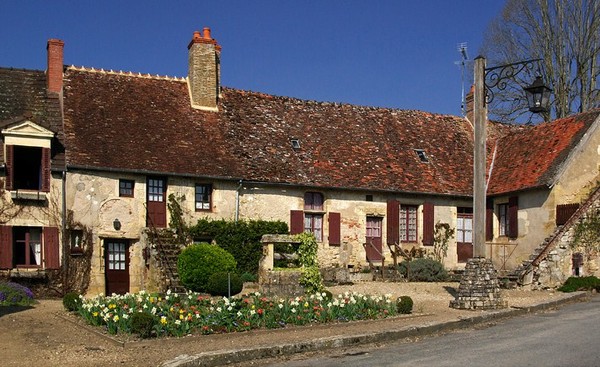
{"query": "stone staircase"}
(167, 248)
(527, 268)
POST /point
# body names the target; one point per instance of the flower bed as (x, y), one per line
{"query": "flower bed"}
(192, 313)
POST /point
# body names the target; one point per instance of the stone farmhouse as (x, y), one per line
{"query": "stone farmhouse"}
(89, 157)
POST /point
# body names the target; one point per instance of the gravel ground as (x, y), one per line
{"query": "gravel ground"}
(47, 335)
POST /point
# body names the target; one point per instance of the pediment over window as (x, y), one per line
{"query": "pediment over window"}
(27, 133)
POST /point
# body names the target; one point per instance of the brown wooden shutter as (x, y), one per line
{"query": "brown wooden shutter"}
(335, 237)
(6, 247)
(9, 168)
(564, 212)
(428, 224)
(393, 222)
(296, 221)
(51, 251)
(489, 220)
(513, 222)
(45, 185)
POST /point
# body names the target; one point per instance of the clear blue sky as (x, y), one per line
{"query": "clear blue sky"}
(387, 53)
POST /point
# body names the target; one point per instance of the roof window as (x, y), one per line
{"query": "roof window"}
(422, 156)
(295, 143)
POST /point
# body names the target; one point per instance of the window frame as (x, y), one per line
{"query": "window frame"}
(309, 201)
(122, 188)
(464, 213)
(26, 243)
(503, 220)
(404, 229)
(313, 223)
(204, 202)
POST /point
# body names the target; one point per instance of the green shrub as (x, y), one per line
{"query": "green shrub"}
(241, 238)
(71, 301)
(249, 277)
(142, 323)
(218, 284)
(574, 284)
(14, 294)
(423, 270)
(404, 304)
(198, 262)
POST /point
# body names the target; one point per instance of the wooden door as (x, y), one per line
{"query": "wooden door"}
(156, 202)
(373, 241)
(116, 266)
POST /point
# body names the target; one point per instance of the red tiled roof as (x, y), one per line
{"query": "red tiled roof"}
(531, 157)
(123, 122)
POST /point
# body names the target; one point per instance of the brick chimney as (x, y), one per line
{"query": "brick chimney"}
(54, 74)
(469, 104)
(204, 73)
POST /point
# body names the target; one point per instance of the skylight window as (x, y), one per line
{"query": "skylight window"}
(422, 156)
(295, 143)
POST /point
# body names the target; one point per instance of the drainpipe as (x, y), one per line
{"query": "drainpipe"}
(64, 231)
(237, 201)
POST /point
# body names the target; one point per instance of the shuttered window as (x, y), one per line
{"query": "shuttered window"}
(296, 221)
(51, 248)
(45, 184)
(335, 238)
(6, 247)
(9, 183)
(428, 224)
(489, 220)
(408, 223)
(564, 212)
(393, 222)
(513, 220)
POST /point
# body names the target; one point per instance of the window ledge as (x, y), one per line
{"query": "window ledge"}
(29, 195)
(28, 273)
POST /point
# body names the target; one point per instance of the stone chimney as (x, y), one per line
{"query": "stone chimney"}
(204, 74)
(54, 74)
(469, 104)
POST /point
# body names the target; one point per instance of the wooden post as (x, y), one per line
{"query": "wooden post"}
(479, 159)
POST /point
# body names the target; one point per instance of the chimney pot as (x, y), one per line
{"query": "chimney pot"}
(206, 31)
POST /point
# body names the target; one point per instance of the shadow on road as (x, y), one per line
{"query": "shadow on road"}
(6, 310)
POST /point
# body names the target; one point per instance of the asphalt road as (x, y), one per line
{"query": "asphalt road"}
(569, 336)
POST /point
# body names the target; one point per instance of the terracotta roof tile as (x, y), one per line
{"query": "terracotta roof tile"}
(125, 122)
(530, 157)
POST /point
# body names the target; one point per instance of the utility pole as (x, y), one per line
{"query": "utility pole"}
(479, 159)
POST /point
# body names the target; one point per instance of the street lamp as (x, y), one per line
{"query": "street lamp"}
(479, 288)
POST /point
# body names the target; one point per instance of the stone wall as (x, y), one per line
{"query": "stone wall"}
(281, 283)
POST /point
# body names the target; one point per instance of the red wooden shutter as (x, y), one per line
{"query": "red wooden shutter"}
(393, 222)
(564, 212)
(9, 168)
(6, 247)
(489, 220)
(428, 225)
(296, 221)
(51, 251)
(335, 237)
(45, 184)
(513, 222)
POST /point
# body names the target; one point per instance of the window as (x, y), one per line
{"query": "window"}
(503, 219)
(156, 189)
(295, 144)
(464, 225)
(27, 248)
(369, 198)
(203, 196)
(408, 223)
(126, 188)
(313, 223)
(422, 156)
(313, 201)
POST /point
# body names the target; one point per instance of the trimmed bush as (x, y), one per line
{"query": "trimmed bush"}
(71, 301)
(218, 284)
(249, 277)
(241, 238)
(14, 294)
(574, 284)
(142, 324)
(198, 262)
(404, 304)
(423, 270)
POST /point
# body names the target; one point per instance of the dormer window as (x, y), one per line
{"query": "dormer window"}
(422, 156)
(27, 158)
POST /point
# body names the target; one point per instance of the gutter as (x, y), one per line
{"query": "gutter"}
(237, 201)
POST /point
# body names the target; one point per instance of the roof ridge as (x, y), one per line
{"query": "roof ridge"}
(127, 73)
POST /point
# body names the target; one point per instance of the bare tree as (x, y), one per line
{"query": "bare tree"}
(565, 34)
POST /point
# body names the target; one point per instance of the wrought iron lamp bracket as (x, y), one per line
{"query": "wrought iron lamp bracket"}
(498, 76)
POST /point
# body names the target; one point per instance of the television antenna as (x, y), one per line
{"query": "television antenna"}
(462, 49)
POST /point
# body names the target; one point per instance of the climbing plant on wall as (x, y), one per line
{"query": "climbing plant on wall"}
(311, 278)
